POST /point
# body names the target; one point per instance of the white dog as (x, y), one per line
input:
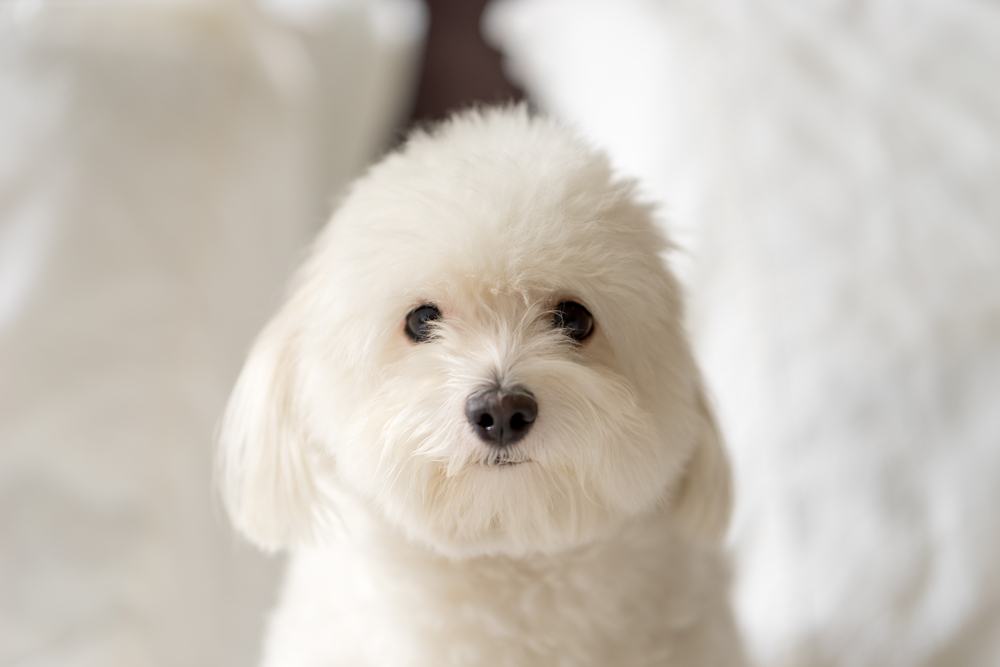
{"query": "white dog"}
(477, 423)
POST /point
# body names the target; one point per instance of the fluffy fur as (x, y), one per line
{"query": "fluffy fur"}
(347, 442)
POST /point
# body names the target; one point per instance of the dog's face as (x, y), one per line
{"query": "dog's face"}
(486, 346)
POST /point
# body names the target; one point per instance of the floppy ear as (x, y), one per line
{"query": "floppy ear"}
(704, 497)
(264, 469)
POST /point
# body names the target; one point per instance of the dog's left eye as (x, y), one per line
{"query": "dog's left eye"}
(574, 319)
(419, 321)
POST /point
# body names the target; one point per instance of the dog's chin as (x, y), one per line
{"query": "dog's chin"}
(504, 506)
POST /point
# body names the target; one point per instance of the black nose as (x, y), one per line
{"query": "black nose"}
(501, 416)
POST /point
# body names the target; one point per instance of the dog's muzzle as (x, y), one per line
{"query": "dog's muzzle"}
(501, 416)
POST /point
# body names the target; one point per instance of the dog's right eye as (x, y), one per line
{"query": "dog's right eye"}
(419, 322)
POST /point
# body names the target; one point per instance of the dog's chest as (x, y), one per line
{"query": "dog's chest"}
(402, 607)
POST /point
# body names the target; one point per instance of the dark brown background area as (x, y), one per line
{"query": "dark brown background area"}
(459, 68)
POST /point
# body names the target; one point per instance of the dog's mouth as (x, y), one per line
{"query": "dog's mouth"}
(503, 461)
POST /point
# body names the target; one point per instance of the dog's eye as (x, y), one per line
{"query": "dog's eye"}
(418, 322)
(574, 319)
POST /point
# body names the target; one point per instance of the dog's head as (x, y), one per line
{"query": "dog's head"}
(486, 346)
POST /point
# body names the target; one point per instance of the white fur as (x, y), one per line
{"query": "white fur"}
(348, 443)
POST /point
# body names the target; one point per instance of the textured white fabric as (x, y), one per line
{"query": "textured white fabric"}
(833, 172)
(161, 166)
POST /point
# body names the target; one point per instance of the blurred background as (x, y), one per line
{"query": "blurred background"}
(830, 171)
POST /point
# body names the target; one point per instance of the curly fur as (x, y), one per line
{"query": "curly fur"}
(347, 443)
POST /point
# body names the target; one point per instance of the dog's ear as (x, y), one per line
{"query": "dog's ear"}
(704, 497)
(264, 467)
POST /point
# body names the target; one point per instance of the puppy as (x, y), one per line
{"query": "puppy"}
(477, 426)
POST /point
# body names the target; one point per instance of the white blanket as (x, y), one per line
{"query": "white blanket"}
(161, 166)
